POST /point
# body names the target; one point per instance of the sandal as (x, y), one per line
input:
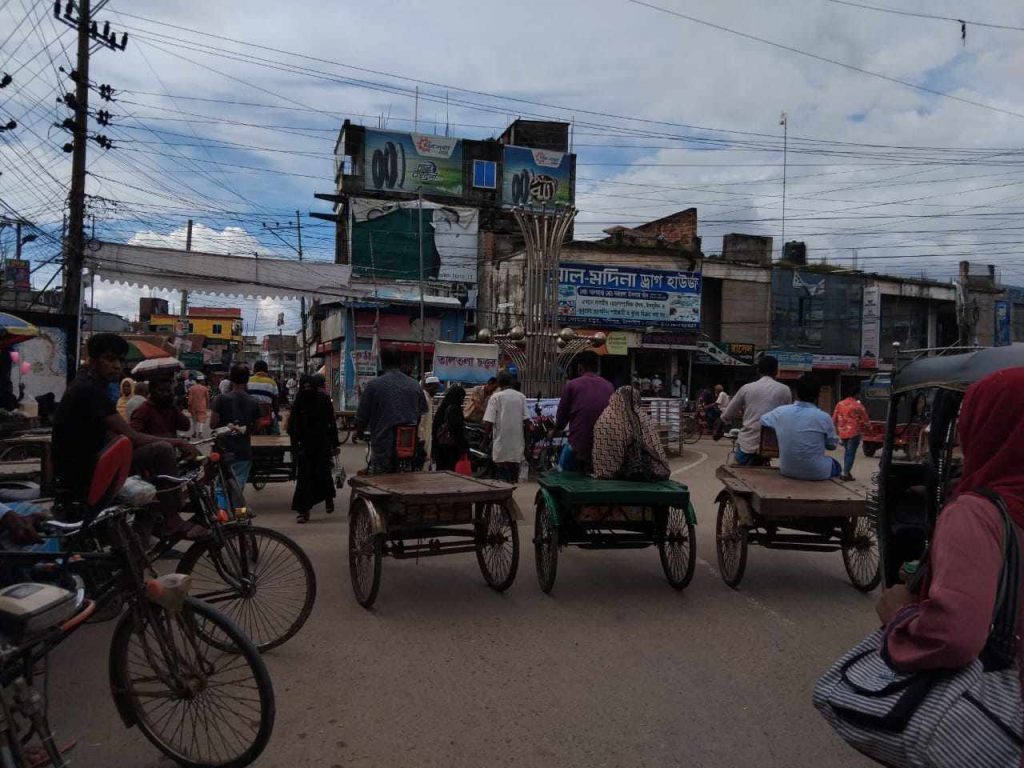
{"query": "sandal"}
(302, 517)
(329, 508)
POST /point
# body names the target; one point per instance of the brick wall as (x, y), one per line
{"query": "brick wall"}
(745, 317)
(678, 230)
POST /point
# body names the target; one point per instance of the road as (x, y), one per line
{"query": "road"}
(613, 669)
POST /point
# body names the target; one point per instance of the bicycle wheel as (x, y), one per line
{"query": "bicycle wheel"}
(678, 549)
(365, 551)
(343, 435)
(545, 547)
(201, 706)
(731, 542)
(690, 429)
(860, 553)
(497, 545)
(259, 578)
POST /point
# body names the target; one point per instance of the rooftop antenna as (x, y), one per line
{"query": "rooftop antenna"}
(447, 121)
(416, 110)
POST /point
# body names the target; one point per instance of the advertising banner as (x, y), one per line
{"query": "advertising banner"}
(628, 298)
(536, 177)
(1004, 327)
(364, 361)
(412, 162)
(385, 240)
(871, 327)
(835, 362)
(793, 361)
(725, 353)
(617, 344)
(17, 274)
(465, 363)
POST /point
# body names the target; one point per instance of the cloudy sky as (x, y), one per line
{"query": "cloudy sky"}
(905, 142)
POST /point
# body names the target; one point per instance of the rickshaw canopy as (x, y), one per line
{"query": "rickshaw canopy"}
(957, 372)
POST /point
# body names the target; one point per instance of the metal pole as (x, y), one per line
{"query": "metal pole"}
(75, 243)
(785, 146)
(183, 309)
(302, 300)
(423, 370)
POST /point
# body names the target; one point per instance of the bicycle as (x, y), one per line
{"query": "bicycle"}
(693, 425)
(260, 578)
(173, 662)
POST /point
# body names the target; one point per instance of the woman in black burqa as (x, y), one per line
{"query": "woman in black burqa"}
(314, 434)
(449, 442)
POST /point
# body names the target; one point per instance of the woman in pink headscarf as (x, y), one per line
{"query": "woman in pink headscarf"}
(947, 624)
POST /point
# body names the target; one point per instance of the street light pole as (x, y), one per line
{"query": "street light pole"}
(302, 299)
(423, 371)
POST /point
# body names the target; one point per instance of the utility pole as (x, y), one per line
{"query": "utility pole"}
(784, 122)
(423, 370)
(75, 243)
(965, 310)
(302, 299)
(183, 313)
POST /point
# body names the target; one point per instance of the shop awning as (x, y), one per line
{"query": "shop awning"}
(246, 276)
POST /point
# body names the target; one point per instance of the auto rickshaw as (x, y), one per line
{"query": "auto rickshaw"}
(911, 492)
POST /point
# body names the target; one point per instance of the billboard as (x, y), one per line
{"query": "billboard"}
(412, 162)
(18, 274)
(385, 240)
(628, 298)
(871, 327)
(536, 177)
(726, 353)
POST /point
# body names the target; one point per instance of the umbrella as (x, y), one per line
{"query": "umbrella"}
(14, 329)
(143, 350)
(156, 366)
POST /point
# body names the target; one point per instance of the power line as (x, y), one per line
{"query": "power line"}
(919, 15)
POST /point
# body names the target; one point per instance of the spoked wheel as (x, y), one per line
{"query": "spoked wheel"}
(343, 435)
(860, 553)
(690, 429)
(259, 578)
(545, 547)
(365, 552)
(497, 545)
(731, 542)
(678, 549)
(199, 705)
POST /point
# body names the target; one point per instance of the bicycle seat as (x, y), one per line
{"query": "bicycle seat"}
(29, 608)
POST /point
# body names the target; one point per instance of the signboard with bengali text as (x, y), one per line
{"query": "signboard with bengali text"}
(412, 162)
(536, 177)
(628, 298)
(465, 363)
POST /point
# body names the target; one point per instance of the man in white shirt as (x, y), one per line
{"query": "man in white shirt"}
(506, 419)
(754, 400)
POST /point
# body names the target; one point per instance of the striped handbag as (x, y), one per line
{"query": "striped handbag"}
(965, 718)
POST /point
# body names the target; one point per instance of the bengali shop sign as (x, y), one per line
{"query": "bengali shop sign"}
(628, 298)
(466, 363)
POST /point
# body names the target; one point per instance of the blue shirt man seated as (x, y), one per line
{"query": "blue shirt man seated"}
(804, 432)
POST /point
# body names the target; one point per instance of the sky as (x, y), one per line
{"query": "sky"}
(904, 148)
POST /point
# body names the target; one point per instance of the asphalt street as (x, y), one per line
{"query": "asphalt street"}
(613, 669)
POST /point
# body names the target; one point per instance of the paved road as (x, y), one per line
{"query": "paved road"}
(613, 669)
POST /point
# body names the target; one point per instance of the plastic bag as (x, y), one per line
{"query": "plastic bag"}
(136, 492)
(464, 466)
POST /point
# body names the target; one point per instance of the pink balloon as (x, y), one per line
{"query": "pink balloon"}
(15, 356)
(26, 367)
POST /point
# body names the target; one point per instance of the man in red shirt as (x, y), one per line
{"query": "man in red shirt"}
(159, 415)
(851, 419)
(583, 401)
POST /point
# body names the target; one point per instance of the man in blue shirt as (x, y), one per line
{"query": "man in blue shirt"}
(804, 432)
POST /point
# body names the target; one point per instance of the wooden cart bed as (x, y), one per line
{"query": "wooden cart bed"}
(772, 495)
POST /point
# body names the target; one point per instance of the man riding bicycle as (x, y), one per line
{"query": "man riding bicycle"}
(87, 419)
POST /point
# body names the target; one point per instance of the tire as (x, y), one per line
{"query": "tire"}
(234, 730)
(870, 449)
(860, 553)
(265, 583)
(365, 552)
(689, 429)
(545, 547)
(678, 549)
(497, 545)
(730, 542)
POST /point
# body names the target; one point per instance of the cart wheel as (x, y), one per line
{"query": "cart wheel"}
(365, 551)
(497, 545)
(690, 428)
(870, 449)
(731, 541)
(860, 553)
(545, 547)
(678, 549)
(343, 436)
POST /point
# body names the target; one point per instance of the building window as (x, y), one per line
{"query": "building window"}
(218, 329)
(485, 174)
(191, 328)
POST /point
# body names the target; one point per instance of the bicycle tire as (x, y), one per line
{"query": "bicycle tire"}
(268, 628)
(132, 693)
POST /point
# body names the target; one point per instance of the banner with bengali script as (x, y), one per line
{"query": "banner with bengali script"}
(465, 363)
(628, 298)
